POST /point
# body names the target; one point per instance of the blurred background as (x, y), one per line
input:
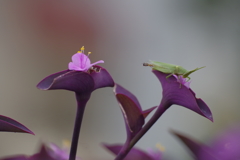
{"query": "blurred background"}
(38, 38)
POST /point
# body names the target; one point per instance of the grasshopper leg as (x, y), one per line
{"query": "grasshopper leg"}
(169, 76)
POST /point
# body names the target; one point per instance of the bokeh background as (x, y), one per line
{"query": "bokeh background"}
(38, 38)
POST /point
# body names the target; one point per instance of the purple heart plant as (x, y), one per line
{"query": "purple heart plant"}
(51, 152)
(176, 90)
(225, 146)
(83, 78)
(10, 125)
(135, 153)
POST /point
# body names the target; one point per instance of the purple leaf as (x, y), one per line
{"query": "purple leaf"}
(134, 154)
(227, 144)
(82, 78)
(120, 90)
(42, 155)
(101, 77)
(175, 93)
(131, 109)
(19, 157)
(200, 151)
(10, 125)
(148, 111)
(76, 81)
(133, 116)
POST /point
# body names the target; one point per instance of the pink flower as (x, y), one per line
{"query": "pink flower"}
(182, 81)
(81, 62)
(60, 153)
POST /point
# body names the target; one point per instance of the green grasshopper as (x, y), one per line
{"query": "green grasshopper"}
(171, 69)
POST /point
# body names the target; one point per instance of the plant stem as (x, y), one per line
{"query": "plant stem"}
(81, 102)
(158, 113)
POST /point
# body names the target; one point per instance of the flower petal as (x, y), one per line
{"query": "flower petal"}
(182, 81)
(100, 61)
(72, 66)
(80, 61)
(57, 152)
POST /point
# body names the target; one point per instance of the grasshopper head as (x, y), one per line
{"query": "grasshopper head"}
(186, 75)
(147, 64)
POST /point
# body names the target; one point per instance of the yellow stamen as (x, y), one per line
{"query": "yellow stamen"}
(160, 147)
(82, 49)
(66, 143)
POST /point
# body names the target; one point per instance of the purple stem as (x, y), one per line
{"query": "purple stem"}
(81, 102)
(158, 113)
(123, 152)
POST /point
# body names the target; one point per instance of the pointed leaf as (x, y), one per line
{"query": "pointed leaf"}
(227, 143)
(10, 125)
(118, 89)
(201, 151)
(42, 155)
(132, 115)
(174, 93)
(134, 154)
(101, 77)
(148, 111)
(77, 81)
(132, 112)
(19, 157)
